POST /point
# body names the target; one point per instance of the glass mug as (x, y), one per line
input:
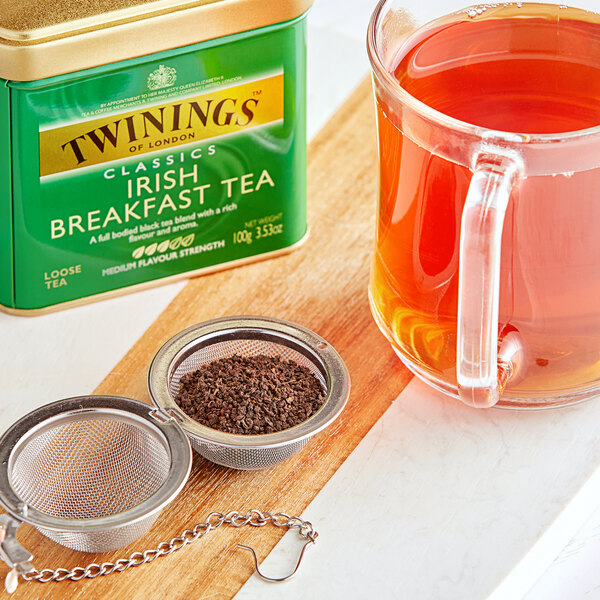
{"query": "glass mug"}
(486, 272)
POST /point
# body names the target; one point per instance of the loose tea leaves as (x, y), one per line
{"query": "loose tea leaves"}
(250, 395)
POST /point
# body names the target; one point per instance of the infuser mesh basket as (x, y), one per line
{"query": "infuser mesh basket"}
(92, 473)
(248, 336)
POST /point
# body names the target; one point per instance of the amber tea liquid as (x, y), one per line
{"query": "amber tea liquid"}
(529, 74)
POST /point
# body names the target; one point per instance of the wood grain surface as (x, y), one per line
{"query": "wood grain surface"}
(322, 286)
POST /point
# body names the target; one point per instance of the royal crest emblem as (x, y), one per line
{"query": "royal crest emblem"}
(162, 77)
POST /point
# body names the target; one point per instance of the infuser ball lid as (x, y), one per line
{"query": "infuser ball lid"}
(92, 472)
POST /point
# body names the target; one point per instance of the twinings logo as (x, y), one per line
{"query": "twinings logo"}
(163, 77)
(153, 128)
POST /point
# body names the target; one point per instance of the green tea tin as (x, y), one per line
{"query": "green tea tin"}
(142, 141)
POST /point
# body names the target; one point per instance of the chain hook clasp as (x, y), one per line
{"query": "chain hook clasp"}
(310, 540)
(18, 559)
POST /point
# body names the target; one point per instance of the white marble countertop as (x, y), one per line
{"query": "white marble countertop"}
(438, 501)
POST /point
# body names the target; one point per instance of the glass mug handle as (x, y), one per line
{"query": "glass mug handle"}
(481, 376)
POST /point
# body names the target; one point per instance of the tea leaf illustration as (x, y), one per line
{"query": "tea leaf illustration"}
(151, 249)
(138, 252)
(174, 244)
(163, 246)
(187, 240)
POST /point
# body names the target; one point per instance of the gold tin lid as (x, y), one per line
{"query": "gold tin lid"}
(43, 38)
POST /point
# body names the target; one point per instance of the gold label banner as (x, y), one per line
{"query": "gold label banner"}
(152, 128)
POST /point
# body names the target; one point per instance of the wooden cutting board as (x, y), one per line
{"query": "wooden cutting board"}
(322, 286)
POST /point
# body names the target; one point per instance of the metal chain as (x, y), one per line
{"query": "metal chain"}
(254, 518)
